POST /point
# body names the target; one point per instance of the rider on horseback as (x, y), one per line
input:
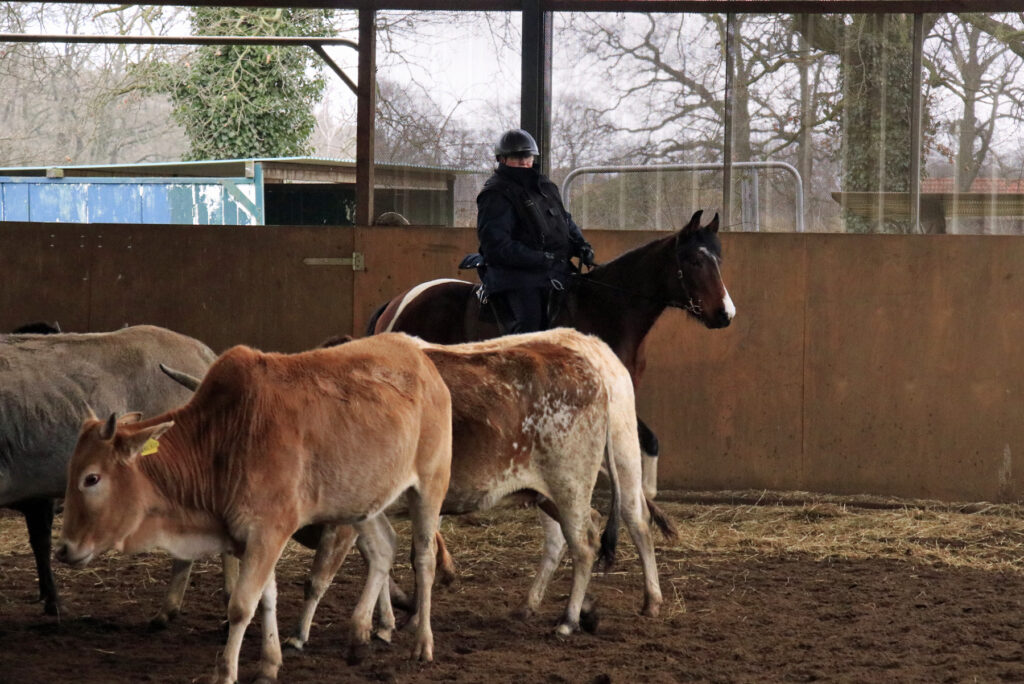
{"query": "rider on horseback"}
(526, 236)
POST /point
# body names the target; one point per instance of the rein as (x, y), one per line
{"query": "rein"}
(690, 305)
(674, 303)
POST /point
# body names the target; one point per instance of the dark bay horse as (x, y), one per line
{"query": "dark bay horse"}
(618, 301)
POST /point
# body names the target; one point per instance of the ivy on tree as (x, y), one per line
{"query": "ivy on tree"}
(237, 101)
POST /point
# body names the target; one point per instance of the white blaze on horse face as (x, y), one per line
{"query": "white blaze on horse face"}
(730, 308)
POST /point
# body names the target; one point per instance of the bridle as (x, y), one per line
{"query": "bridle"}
(690, 305)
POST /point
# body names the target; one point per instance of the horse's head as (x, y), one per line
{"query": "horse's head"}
(698, 275)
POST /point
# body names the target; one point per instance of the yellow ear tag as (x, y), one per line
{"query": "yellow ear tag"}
(150, 447)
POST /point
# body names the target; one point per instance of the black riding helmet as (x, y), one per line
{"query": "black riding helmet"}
(516, 143)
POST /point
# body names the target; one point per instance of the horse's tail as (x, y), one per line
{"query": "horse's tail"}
(662, 521)
(371, 327)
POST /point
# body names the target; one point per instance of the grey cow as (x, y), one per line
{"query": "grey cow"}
(48, 384)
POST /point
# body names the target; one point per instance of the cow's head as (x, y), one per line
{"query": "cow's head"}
(103, 504)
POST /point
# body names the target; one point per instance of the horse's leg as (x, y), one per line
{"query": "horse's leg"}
(335, 543)
(39, 521)
(649, 448)
(551, 556)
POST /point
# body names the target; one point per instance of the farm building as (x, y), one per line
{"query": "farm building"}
(298, 191)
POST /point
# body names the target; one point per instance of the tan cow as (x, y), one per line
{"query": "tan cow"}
(534, 416)
(268, 444)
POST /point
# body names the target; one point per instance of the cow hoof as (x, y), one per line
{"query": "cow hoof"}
(651, 610)
(589, 620)
(161, 622)
(51, 607)
(357, 653)
(383, 635)
(564, 630)
(524, 612)
(263, 679)
(293, 643)
(207, 679)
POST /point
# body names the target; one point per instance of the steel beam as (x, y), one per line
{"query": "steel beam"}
(695, 6)
(173, 40)
(366, 116)
(535, 116)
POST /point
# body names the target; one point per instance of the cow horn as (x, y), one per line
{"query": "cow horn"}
(181, 378)
(109, 428)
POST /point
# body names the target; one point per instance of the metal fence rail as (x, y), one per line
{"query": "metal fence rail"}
(799, 203)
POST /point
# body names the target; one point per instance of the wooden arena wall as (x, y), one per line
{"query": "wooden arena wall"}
(874, 364)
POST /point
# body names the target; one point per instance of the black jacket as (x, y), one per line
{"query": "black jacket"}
(520, 219)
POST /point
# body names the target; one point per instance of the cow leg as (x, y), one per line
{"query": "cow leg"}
(39, 521)
(649, 447)
(270, 656)
(180, 571)
(634, 515)
(633, 506)
(554, 549)
(378, 549)
(385, 607)
(425, 511)
(230, 564)
(255, 571)
(335, 543)
(576, 528)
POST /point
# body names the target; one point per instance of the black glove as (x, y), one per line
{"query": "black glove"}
(587, 255)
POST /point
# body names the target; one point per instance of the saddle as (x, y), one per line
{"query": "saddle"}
(496, 311)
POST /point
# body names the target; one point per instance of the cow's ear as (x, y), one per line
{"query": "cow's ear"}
(144, 441)
(129, 418)
(109, 428)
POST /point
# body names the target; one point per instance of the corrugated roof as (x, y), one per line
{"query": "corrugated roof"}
(216, 167)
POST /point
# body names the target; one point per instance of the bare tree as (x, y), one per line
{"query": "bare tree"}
(81, 103)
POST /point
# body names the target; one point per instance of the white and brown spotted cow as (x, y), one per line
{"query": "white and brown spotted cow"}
(268, 444)
(534, 416)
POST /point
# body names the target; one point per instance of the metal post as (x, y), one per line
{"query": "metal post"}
(917, 77)
(730, 67)
(535, 115)
(366, 110)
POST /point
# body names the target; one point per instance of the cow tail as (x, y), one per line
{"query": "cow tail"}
(610, 536)
(662, 521)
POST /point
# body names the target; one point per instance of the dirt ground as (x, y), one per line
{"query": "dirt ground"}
(797, 589)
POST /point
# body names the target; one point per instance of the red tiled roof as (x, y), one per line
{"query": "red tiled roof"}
(984, 185)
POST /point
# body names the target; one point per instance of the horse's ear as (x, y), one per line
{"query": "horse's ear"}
(713, 225)
(694, 223)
